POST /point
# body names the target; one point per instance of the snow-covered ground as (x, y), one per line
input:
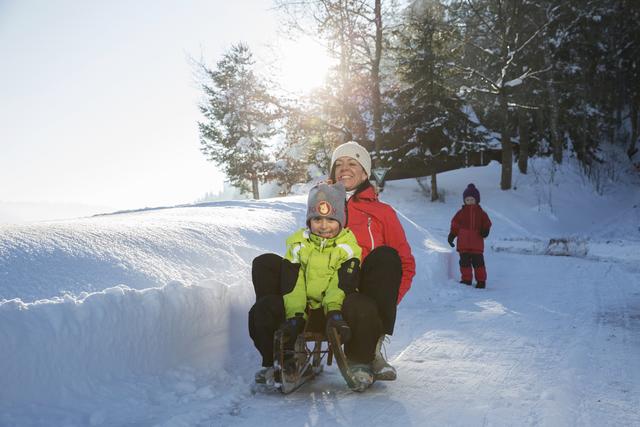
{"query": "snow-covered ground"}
(139, 318)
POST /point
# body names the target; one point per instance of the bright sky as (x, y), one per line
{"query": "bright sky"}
(99, 100)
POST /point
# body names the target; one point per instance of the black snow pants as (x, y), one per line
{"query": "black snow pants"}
(370, 312)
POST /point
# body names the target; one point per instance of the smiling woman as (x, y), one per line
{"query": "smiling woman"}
(303, 66)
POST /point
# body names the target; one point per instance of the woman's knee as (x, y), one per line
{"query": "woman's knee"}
(384, 254)
(381, 273)
(265, 274)
(266, 261)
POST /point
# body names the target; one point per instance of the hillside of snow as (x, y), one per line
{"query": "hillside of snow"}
(139, 318)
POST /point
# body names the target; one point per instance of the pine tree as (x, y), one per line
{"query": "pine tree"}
(240, 118)
(499, 60)
(598, 67)
(429, 115)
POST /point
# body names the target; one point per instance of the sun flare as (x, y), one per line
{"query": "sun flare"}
(303, 66)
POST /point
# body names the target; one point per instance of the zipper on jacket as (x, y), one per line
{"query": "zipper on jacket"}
(373, 245)
(472, 225)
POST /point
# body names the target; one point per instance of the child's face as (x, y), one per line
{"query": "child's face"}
(324, 227)
(469, 200)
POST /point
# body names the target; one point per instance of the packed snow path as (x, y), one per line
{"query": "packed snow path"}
(552, 341)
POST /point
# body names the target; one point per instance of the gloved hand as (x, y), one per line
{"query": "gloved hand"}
(348, 275)
(292, 327)
(335, 320)
(484, 233)
(450, 239)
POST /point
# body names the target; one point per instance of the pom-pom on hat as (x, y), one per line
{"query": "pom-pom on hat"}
(327, 201)
(355, 151)
(471, 191)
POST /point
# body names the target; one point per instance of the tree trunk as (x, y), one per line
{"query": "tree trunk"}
(434, 187)
(582, 141)
(634, 125)
(541, 127)
(376, 100)
(507, 150)
(345, 75)
(505, 30)
(523, 130)
(554, 115)
(255, 188)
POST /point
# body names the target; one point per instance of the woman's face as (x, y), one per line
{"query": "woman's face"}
(349, 172)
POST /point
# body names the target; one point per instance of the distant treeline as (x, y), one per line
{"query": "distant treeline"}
(432, 80)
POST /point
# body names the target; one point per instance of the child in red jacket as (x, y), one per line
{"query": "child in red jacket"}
(471, 225)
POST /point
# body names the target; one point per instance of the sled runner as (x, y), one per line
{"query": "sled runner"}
(293, 367)
(352, 380)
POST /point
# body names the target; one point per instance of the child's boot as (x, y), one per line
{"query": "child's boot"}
(481, 284)
(466, 282)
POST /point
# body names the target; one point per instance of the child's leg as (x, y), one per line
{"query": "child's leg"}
(479, 268)
(465, 267)
(316, 321)
(265, 317)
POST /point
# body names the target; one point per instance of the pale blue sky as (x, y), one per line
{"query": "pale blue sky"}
(98, 98)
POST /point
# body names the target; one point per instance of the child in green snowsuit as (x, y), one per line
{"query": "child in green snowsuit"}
(320, 267)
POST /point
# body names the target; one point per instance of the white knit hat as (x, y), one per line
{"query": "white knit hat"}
(355, 151)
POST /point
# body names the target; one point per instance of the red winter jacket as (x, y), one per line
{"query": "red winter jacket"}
(376, 224)
(466, 225)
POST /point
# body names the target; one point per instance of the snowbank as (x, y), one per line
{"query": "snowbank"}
(140, 249)
(54, 350)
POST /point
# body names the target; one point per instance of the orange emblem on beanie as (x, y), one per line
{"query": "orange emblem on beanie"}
(324, 208)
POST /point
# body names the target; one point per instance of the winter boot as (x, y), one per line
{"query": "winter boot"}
(481, 284)
(362, 374)
(264, 375)
(382, 370)
(466, 282)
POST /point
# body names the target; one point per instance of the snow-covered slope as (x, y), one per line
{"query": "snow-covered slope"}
(139, 318)
(141, 249)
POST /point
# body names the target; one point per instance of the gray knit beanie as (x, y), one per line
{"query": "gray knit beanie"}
(327, 201)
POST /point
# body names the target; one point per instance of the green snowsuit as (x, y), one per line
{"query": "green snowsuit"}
(320, 260)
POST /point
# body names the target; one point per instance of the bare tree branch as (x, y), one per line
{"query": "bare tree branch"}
(481, 18)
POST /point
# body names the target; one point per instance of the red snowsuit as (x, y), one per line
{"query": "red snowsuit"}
(467, 225)
(376, 224)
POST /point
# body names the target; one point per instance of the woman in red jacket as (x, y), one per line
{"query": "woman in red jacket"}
(387, 269)
(385, 274)
(471, 225)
